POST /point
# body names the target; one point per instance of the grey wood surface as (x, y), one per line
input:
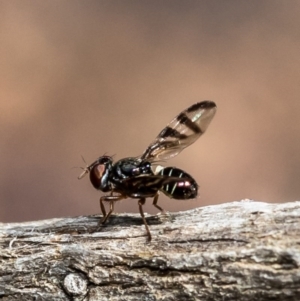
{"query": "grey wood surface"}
(235, 251)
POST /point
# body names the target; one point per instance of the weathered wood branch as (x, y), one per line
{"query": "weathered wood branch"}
(236, 251)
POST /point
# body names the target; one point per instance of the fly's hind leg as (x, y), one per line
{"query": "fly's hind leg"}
(155, 204)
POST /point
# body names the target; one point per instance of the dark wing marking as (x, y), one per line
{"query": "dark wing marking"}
(181, 132)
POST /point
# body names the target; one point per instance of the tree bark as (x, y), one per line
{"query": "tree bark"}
(236, 251)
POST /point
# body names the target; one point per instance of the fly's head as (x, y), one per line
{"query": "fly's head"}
(99, 173)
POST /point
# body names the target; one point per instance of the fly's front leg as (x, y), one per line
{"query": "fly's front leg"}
(111, 209)
(102, 207)
(108, 198)
(141, 202)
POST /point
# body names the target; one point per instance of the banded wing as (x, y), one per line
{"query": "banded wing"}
(181, 132)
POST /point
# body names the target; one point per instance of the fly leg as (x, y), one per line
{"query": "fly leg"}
(164, 215)
(155, 204)
(111, 199)
(141, 202)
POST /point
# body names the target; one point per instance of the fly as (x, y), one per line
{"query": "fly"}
(135, 177)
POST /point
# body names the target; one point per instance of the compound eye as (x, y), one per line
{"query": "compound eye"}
(96, 174)
(99, 170)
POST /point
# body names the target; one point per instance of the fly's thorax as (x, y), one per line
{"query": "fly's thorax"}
(130, 167)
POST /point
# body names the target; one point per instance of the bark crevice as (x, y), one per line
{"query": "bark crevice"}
(236, 251)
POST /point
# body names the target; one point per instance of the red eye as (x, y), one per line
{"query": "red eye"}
(96, 175)
(99, 170)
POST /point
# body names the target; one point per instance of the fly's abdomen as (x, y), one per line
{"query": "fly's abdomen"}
(181, 186)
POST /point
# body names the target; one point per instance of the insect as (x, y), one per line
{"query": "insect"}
(137, 177)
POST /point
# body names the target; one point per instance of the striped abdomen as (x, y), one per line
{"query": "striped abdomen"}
(184, 189)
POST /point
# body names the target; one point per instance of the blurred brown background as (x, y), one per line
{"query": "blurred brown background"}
(94, 77)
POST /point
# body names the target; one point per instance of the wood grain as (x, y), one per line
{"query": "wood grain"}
(235, 251)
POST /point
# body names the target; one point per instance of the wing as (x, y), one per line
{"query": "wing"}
(181, 132)
(148, 185)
